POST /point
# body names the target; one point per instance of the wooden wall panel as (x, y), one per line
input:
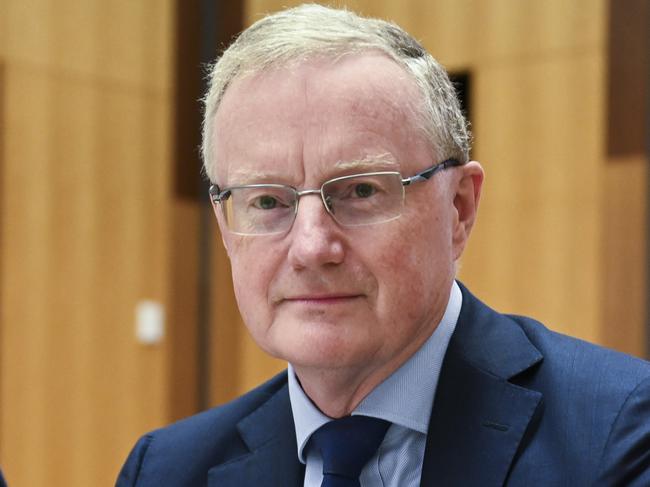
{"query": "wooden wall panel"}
(625, 324)
(86, 210)
(227, 328)
(3, 8)
(182, 309)
(77, 257)
(536, 246)
(3, 28)
(118, 41)
(628, 97)
(624, 253)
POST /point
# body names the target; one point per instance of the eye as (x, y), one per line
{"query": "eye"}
(265, 202)
(364, 190)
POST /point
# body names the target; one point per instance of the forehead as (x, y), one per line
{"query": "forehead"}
(317, 116)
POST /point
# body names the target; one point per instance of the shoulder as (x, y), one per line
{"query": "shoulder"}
(595, 405)
(495, 341)
(188, 448)
(596, 399)
(583, 363)
(591, 423)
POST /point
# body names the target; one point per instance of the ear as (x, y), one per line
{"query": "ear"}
(466, 199)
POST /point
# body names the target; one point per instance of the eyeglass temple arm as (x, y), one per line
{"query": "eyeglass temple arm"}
(217, 195)
(428, 173)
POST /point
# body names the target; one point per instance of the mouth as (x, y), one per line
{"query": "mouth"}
(322, 299)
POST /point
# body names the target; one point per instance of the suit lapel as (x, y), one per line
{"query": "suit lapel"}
(269, 433)
(479, 416)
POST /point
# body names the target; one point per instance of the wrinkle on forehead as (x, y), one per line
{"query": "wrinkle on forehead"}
(369, 163)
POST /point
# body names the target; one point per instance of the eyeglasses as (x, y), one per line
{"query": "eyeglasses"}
(355, 200)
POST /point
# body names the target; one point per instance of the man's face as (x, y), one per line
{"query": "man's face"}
(324, 296)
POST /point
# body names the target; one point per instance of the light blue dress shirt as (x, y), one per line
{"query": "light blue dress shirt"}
(405, 399)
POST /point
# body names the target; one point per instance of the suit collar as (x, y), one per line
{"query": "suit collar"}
(491, 341)
(269, 434)
(479, 414)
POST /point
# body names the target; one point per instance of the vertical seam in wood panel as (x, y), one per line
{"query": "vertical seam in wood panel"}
(186, 339)
(222, 20)
(628, 115)
(628, 72)
(647, 258)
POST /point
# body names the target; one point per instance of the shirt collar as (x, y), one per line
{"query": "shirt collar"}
(404, 398)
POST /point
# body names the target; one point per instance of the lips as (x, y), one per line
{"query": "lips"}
(318, 298)
(323, 297)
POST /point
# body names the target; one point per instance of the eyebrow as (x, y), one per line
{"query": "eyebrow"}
(385, 161)
(249, 176)
(370, 163)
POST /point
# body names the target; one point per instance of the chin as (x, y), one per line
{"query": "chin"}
(326, 356)
(316, 343)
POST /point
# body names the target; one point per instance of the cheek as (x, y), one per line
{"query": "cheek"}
(251, 274)
(413, 267)
(399, 267)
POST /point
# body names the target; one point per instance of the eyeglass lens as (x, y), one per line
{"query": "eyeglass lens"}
(362, 200)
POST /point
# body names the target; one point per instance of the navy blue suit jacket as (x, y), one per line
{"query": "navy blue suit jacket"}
(516, 405)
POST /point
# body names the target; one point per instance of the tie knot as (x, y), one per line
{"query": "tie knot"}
(347, 444)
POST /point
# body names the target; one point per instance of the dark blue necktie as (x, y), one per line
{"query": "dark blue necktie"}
(346, 445)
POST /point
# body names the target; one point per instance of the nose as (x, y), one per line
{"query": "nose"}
(316, 239)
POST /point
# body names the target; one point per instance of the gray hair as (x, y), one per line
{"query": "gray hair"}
(297, 34)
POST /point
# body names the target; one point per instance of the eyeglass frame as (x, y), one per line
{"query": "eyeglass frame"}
(218, 195)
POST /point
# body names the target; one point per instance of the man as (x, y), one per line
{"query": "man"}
(343, 188)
